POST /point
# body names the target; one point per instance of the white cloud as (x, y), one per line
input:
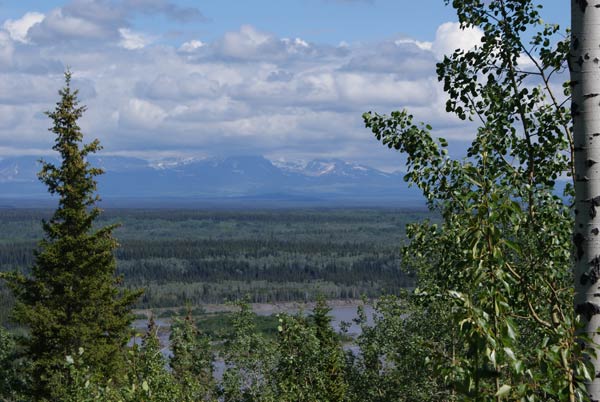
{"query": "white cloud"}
(141, 114)
(191, 46)
(10, 116)
(380, 89)
(217, 111)
(296, 45)
(407, 58)
(167, 8)
(18, 28)
(525, 62)
(6, 50)
(132, 40)
(251, 44)
(449, 37)
(421, 45)
(244, 44)
(59, 25)
(247, 91)
(179, 88)
(26, 89)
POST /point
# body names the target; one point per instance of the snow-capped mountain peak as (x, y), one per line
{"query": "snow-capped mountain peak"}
(171, 163)
(237, 176)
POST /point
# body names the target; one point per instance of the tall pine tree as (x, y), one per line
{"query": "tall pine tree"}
(71, 299)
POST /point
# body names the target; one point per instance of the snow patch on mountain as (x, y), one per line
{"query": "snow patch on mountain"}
(172, 163)
(327, 167)
(234, 176)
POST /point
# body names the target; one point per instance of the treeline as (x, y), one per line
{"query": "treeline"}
(338, 224)
(249, 260)
(215, 260)
(174, 294)
(198, 256)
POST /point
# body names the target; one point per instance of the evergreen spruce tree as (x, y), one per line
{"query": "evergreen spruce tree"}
(9, 377)
(71, 299)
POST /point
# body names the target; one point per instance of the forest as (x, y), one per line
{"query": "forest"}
(184, 257)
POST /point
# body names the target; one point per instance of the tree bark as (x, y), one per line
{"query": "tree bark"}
(584, 65)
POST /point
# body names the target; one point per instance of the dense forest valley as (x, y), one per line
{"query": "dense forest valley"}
(193, 257)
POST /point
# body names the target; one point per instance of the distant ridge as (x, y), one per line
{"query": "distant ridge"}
(242, 179)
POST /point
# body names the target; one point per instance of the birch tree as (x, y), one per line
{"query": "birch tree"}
(584, 65)
(498, 266)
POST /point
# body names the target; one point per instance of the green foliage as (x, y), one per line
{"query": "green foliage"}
(215, 256)
(151, 381)
(491, 318)
(192, 360)
(311, 364)
(249, 360)
(220, 325)
(71, 300)
(305, 362)
(146, 378)
(12, 376)
(393, 358)
(496, 270)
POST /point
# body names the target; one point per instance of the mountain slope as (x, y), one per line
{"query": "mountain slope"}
(241, 177)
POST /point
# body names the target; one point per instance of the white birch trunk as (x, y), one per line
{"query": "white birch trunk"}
(584, 64)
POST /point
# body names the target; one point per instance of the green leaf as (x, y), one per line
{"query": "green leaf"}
(510, 330)
(503, 390)
(512, 245)
(509, 353)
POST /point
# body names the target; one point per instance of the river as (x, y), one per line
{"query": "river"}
(341, 311)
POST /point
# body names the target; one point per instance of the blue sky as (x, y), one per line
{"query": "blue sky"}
(327, 21)
(288, 79)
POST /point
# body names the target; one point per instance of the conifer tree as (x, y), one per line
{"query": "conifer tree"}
(8, 368)
(71, 299)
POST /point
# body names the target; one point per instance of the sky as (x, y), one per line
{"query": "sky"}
(288, 79)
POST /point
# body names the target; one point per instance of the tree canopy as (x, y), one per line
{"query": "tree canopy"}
(72, 299)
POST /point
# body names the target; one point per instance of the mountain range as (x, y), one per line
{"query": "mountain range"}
(222, 181)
